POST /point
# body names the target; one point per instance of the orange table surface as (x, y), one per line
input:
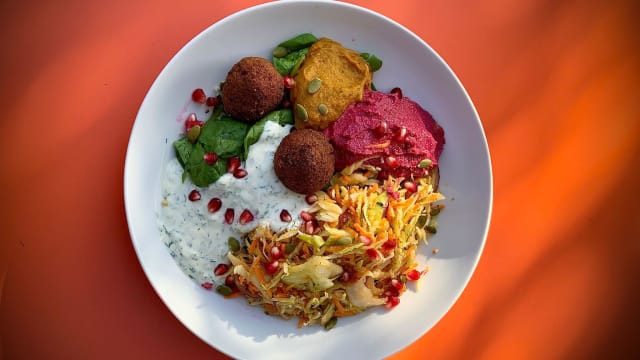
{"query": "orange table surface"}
(556, 84)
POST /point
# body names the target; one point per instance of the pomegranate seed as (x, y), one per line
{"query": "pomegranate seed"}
(410, 186)
(230, 281)
(214, 205)
(391, 162)
(401, 135)
(306, 216)
(342, 219)
(392, 292)
(397, 284)
(311, 199)
(286, 104)
(191, 121)
(212, 101)
(229, 214)
(345, 277)
(397, 91)
(272, 267)
(239, 173)
(365, 240)
(233, 163)
(392, 301)
(198, 96)
(245, 217)
(221, 269)
(309, 227)
(210, 158)
(207, 285)
(285, 216)
(289, 82)
(373, 253)
(389, 244)
(275, 253)
(394, 194)
(413, 275)
(194, 195)
(381, 129)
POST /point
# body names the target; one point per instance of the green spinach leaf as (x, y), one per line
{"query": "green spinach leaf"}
(201, 173)
(183, 150)
(299, 42)
(224, 137)
(286, 65)
(282, 117)
(374, 62)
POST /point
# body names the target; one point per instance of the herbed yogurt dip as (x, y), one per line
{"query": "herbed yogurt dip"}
(196, 238)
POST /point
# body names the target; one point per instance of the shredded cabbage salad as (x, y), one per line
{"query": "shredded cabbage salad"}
(356, 250)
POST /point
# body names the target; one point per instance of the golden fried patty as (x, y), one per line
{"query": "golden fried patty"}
(252, 89)
(304, 161)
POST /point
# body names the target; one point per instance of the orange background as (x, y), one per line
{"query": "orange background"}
(556, 84)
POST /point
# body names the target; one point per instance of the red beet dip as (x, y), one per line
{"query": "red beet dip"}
(395, 130)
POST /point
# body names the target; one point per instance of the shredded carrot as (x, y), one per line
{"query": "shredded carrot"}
(305, 251)
(255, 268)
(336, 190)
(390, 212)
(353, 233)
(356, 218)
(233, 295)
(336, 248)
(270, 308)
(336, 302)
(300, 322)
(364, 232)
(253, 246)
(384, 226)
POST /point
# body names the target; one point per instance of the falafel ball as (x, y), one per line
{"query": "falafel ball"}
(304, 161)
(252, 89)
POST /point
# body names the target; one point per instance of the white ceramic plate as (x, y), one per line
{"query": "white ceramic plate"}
(243, 331)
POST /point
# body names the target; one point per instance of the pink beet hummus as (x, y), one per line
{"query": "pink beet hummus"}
(395, 130)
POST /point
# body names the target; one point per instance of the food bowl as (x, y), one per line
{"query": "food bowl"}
(243, 331)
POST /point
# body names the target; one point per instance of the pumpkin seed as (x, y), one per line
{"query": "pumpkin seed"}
(331, 323)
(323, 109)
(425, 163)
(280, 52)
(193, 134)
(435, 210)
(314, 86)
(224, 290)
(422, 220)
(301, 112)
(234, 244)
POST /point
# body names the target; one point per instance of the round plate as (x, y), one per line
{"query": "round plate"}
(242, 331)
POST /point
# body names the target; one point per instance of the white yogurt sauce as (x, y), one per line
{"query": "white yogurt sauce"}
(197, 239)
